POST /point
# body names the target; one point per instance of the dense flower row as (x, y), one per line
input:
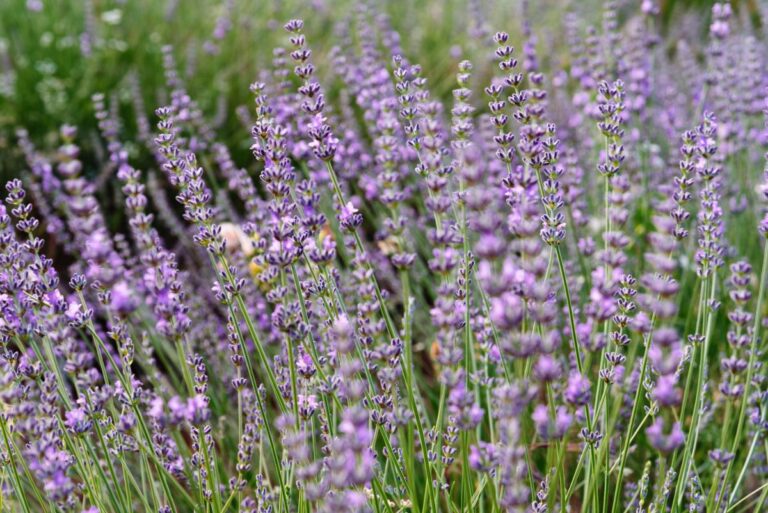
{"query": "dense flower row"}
(536, 296)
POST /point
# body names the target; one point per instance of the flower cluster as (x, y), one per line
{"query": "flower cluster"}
(408, 296)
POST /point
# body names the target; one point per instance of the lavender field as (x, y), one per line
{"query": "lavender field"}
(412, 256)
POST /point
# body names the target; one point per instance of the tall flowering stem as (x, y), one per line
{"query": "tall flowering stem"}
(324, 145)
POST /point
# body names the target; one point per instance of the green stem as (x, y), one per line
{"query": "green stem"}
(750, 368)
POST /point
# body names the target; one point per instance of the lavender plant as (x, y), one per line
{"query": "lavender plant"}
(538, 288)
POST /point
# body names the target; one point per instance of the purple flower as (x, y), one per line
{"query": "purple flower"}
(482, 457)
(666, 392)
(663, 440)
(304, 365)
(577, 391)
(350, 217)
(123, 298)
(462, 406)
(547, 368)
(77, 421)
(548, 427)
(197, 411)
(507, 311)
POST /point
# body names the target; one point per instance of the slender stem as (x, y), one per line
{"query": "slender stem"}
(750, 370)
(690, 447)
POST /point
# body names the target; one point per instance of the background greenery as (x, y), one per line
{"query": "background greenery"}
(47, 79)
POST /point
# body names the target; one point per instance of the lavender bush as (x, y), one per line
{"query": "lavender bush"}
(543, 291)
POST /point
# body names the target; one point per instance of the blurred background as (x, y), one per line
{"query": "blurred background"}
(55, 54)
